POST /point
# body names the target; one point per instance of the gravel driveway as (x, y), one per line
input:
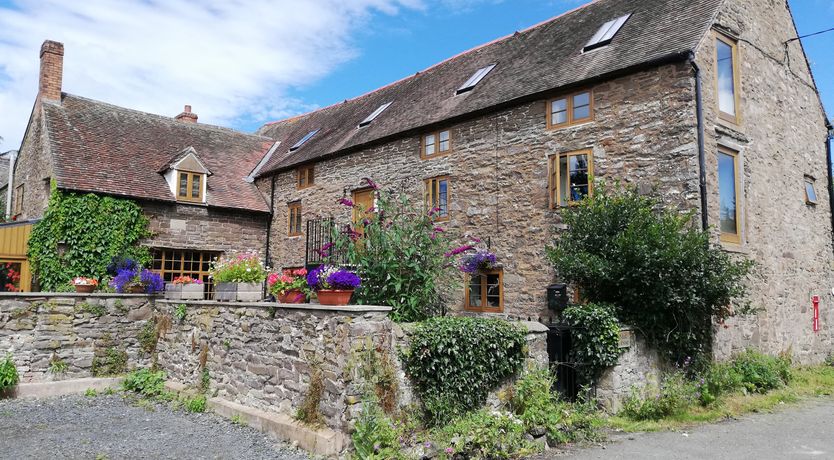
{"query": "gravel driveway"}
(110, 427)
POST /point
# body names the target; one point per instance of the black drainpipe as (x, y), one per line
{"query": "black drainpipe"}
(702, 161)
(828, 139)
(271, 215)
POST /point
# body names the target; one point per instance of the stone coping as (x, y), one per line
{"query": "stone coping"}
(35, 295)
(285, 306)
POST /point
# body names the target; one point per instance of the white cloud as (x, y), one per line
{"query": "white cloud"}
(229, 59)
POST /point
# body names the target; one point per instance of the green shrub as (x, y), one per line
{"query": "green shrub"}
(595, 339)
(375, 437)
(760, 373)
(145, 382)
(675, 395)
(654, 265)
(93, 229)
(717, 380)
(196, 404)
(401, 258)
(112, 362)
(484, 434)
(8, 374)
(455, 361)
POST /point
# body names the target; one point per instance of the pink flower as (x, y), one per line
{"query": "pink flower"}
(370, 183)
(459, 250)
(438, 230)
(450, 451)
(272, 279)
(286, 279)
(346, 202)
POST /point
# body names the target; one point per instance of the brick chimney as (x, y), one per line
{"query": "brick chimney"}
(187, 116)
(52, 70)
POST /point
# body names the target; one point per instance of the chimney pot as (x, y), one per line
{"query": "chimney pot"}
(187, 116)
(52, 70)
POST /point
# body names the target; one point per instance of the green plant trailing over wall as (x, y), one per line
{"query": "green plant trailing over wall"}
(455, 361)
(401, 256)
(654, 265)
(93, 230)
(8, 373)
(595, 339)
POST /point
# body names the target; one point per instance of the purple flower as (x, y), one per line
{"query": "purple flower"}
(330, 277)
(313, 277)
(346, 202)
(433, 211)
(325, 250)
(370, 183)
(438, 230)
(481, 260)
(450, 451)
(126, 278)
(152, 281)
(459, 250)
(343, 279)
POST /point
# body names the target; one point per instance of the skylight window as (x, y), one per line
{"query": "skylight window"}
(304, 139)
(475, 79)
(373, 116)
(606, 33)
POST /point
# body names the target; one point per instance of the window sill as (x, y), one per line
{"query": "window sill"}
(578, 124)
(735, 248)
(436, 155)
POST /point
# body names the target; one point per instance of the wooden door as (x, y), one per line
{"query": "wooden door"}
(363, 200)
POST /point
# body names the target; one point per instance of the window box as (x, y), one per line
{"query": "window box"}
(184, 291)
(239, 292)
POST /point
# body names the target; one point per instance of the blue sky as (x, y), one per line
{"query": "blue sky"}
(244, 63)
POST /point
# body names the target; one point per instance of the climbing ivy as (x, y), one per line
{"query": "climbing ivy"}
(93, 230)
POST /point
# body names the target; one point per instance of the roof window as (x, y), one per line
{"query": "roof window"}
(475, 79)
(373, 116)
(606, 33)
(304, 139)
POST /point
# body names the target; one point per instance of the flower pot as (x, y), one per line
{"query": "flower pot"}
(136, 289)
(293, 296)
(334, 296)
(84, 288)
(191, 291)
(238, 292)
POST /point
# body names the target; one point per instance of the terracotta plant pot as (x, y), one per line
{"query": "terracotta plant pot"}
(84, 288)
(294, 296)
(136, 289)
(334, 297)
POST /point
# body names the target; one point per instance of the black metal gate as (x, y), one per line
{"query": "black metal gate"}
(319, 244)
(558, 350)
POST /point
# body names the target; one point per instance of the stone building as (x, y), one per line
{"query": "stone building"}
(502, 137)
(191, 179)
(710, 104)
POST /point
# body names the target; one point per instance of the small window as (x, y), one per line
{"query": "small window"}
(304, 139)
(606, 33)
(726, 55)
(437, 197)
(18, 200)
(571, 109)
(294, 220)
(810, 190)
(728, 196)
(305, 176)
(475, 79)
(570, 177)
(436, 144)
(190, 186)
(373, 116)
(485, 292)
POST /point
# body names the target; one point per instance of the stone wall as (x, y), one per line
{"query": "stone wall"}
(780, 139)
(638, 366)
(644, 133)
(34, 168)
(201, 228)
(75, 329)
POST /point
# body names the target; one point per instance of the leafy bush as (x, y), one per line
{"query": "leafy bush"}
(196, 404)
(94, 229)
(455, 361)
(760, 373)
(241, 268)
(718, 379)
(595, 338)
(8, 373)
(375, 437)
(660, 271)
(674, 396)
(401, 257)
(484, 435)
(145, 382)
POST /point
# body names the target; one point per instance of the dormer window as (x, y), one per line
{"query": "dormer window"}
(186, 176)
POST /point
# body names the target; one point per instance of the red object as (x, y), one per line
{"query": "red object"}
(294, 296)
(84, 288)
(334, 297)
(816, 300)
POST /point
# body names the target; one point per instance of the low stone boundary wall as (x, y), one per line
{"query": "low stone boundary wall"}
(638, 366)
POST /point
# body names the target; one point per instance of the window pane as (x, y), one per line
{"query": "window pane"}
(183, 184)
(10, 276)
(430, 144)
(310, 172)
(196, 186)
(302, 178)
(559, 112)
(443, 198)
(475, 291)
(578, 177)
(444, 141)
(726, 82)
(580, 113)
(563, 180)
(727, 193)
(493, 290)
(582, 100)
(810, 191)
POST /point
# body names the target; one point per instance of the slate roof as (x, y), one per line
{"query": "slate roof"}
(532, 62)
(99, 147)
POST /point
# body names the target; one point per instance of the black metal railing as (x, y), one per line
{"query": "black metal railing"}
(319, 244)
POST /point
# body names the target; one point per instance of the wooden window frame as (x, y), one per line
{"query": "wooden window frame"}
(294, 214)
(485, 309)
(189, 186)
(570, 120)
(307, 173)
(555, 176)
(730, 237)
(18, 199)
(438, 153)
(810, 180)
(159, 257)
(733, 44)
(429, 204)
